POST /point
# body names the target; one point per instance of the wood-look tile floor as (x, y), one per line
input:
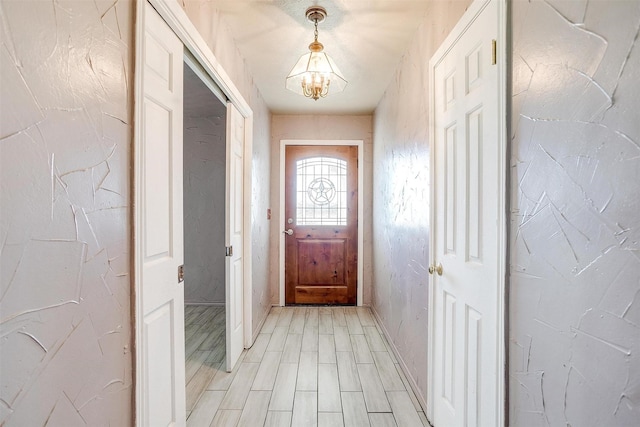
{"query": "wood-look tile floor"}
(309, 366)
(204, 348)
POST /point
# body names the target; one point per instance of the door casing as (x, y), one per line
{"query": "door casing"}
(501, 62)
(281, 216)
(179, 22)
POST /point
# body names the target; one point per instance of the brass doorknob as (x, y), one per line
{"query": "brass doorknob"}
(435, 268)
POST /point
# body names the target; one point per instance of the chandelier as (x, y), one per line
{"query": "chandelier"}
(315, 72)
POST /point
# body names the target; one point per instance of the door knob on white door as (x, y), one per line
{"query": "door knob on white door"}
(289, 232)
(435, 268)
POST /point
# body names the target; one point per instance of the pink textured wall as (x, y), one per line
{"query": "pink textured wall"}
(401, 195)
(65, 154)
(575, 214)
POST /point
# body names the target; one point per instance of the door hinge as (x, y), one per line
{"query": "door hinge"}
(180, 273)
(494, 53)
(228, 250)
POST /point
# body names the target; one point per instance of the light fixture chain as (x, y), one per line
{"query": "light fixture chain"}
(314, 72)
(315, 33)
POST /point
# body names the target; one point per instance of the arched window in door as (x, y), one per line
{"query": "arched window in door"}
(321, 191)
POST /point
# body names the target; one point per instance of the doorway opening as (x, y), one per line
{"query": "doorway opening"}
(204, 181)
(321, 210)
(165, 39)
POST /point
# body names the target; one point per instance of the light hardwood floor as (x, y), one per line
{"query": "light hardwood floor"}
(309, 366)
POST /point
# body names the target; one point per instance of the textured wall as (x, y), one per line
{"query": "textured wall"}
(401, 195)
(218, 37)
(261, 170)
(65, 149)
(321, 127)
(65, 156)
(575, 229)
(204, 205)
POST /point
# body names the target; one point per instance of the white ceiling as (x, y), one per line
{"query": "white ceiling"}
(366, 39)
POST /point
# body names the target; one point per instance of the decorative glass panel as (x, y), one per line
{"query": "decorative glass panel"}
(321, 191)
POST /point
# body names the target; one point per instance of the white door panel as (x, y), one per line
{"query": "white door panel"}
(466, 225)
(234, 237)
(160, 233)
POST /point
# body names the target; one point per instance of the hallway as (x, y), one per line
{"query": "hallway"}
(324, 366)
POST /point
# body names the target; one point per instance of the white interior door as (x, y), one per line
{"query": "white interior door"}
(466, 228)
(234, 228)
(159, 234)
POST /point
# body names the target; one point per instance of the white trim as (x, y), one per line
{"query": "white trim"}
(429, 411)
(182, 26)
(135, 210)
(348, 142)
(258, 328)
(467, 19)
(503, 226)
(202, 74)
(247, 285)
(180, 23)
(401, 362)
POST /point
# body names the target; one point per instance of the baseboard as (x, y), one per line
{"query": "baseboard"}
(421, 400)
(212, 304)
(257, 330)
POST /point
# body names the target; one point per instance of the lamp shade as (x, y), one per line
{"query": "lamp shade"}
(315, 73)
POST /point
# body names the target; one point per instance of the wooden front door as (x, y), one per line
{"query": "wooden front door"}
(321, 224)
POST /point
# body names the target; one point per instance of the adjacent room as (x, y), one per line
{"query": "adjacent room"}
(204, 158)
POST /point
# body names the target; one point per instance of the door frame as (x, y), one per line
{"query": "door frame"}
(177, 19)
(281, 217)
(501, 62)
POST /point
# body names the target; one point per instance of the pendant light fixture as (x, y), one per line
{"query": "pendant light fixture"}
(315, 73)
